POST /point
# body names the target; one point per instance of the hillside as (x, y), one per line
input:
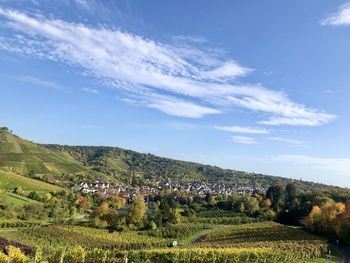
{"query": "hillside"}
(65, 165)
(133, 167)
(9, 181)
(23, 157)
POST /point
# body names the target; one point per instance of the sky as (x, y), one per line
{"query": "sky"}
(258, 86)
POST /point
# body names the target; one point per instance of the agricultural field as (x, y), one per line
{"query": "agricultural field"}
(255, 242)
(267, 235)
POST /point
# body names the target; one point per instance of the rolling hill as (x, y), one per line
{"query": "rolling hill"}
(23, 157)
(132, 167)
(65, 165)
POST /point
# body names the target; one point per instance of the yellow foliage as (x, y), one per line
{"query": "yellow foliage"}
(314, 214)
(16, 255)
(340, 208)
(4, 258)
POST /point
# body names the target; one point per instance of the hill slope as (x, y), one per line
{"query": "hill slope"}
(133, 167)
(67, 164)
(23, 157)
(9, 181)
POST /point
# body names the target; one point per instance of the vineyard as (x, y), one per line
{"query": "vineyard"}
(267, 235)
(54, 237)
(255, 242)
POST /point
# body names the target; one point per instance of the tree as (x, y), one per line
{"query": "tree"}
(117, 202)
(47, 197)
(212, 201)
(276, 194)
(313, 216)
(267, 202)
(82, 202)
(34, 195)
(291, 192)
(104, 216)
(137, 210)
(241, 207)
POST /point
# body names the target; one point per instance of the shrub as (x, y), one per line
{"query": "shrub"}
(16, 255)
(4, 258)
(76, 255)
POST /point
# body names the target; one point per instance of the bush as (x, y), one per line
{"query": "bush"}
(16, 255)
(76, 255)
(4, 258)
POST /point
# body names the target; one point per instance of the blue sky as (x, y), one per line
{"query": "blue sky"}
(259, 86)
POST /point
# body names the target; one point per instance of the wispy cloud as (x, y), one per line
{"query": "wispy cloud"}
(341, 165)
(290, 141)
(177, 80)
(329, 91)
(177, 107)
(239, 129)
(90, 90)
(340, 18)
(37, 81)
(243, 140)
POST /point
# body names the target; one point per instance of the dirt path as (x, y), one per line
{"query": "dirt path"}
(198, 239)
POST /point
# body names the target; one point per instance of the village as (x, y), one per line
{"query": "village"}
(152, 187)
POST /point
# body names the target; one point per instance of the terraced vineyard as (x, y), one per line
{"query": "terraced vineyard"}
(256, 242)
(267, 235)
(54, 237)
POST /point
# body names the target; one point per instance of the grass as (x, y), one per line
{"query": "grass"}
(9, 181)
(18, 200)
(22, 156)
(12, 139)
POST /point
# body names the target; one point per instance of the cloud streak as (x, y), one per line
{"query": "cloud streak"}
(239, 129)
(177, 80)
(243, 140)
(89, 90)
(290, 141)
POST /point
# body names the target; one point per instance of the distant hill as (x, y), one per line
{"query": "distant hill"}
(68, 164)
(132, 167)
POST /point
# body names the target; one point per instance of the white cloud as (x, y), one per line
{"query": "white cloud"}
(176, 107)
(238, 129)
(229, 69)
(90, 90)
(38, 81)
(291, 141)
(340, 18)
(243, 140)
(182, 80)
(340, 165)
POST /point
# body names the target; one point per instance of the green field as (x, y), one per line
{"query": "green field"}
(22, 157)
(9, 180)
(18, 200)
